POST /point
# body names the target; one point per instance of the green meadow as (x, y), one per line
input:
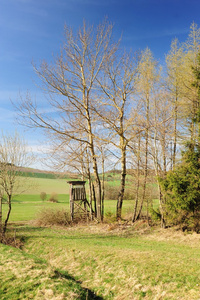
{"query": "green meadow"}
(28, 205)
(94, 261)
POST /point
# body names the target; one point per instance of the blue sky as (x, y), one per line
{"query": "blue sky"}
(32, 30)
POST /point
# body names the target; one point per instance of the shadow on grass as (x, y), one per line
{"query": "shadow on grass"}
(60, 279)
(84, 292)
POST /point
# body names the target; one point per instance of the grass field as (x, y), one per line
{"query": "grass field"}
(37, 185)
(97, 262)
(94, 261)
(26, 207)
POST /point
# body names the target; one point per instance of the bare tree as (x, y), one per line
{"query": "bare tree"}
(148, 77)
(114, 109)
(13, 156)
(160, 143)
(174, 82)
(70, 85)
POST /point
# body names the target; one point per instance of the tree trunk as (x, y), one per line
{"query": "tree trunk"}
(97, 190)
(90, 194)
(163, 225)
(1, 199)
(145, 173)
(94, 198)
(8, 215)
(138, 182)
(103, 188)
(95, 168)
(123, 182)
(175, 133)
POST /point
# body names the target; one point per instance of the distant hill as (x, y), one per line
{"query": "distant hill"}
(37, 173)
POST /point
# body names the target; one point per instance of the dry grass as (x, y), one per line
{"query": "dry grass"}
(26, 277)
(50, 217)
(123, 262)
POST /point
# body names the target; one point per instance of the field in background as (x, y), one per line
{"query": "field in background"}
(27, 206)
(34, 186)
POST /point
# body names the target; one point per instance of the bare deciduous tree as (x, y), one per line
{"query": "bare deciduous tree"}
(174, 83)
(70, 86)
(114, 110)
(13, 156)
(148, 77)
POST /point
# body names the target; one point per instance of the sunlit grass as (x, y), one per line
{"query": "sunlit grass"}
(38, 185)
(27, 207)
(120, 265)
(111, 261)
(24, 276)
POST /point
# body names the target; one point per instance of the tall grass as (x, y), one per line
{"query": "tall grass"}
(25, 276)
(117, 265)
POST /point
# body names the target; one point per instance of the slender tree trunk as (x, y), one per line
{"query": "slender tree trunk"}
(90, 185)
(1, 199)
(175, 132)
(98, 189)
(90, 194)
(146, 157)
(157, 168)
(161, 204)
(103, 188)
(94, 198)
(8, 215)
(123, 182)
(95, 168)
(138, 182)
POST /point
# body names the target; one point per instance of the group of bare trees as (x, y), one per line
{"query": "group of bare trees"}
(106, 105)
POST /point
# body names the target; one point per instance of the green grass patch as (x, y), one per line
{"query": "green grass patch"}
(25, 276)
(26, 207)
(38, 185)
(116, 266)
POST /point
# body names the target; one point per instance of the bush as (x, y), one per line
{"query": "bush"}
(155, 214)
(53, 217)
(111, 192)
(59, 217)
(43, 196)
(182, 190)
(53, 198)
(109, 217)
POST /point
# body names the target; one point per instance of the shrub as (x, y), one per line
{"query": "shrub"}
(53, 217)
(54, 198)
(59, 217)
(43, 196)
(111, 192)
(109, 217)
(182, 190)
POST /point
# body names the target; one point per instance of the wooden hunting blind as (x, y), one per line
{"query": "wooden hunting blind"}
(78, 200)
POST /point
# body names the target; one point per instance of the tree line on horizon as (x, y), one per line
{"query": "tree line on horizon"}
(109, 107)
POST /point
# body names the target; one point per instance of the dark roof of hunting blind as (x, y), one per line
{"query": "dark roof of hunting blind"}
(76, 182)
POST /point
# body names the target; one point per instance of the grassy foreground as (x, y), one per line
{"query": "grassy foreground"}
(95, 261)
(101, 262)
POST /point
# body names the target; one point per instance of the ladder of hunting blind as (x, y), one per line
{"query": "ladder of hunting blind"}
(79, 205)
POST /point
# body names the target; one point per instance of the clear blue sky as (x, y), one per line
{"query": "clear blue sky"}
(31, 30)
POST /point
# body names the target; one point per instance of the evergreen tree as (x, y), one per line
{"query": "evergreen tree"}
(182, 185)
